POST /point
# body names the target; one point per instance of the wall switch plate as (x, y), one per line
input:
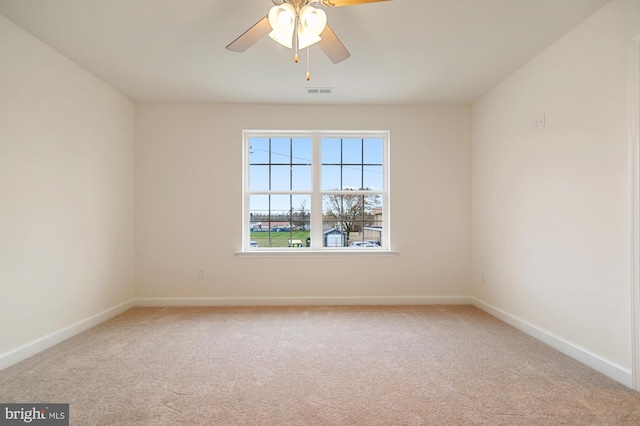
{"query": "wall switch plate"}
(538, 123)
(201, 273)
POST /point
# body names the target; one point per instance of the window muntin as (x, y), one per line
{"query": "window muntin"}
(321, 190)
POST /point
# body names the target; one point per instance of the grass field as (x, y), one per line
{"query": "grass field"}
(279, 239)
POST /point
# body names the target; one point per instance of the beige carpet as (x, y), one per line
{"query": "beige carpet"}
(413, 365)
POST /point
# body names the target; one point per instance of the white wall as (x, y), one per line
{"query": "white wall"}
(189, 193)
(551, 207)
(66, 192)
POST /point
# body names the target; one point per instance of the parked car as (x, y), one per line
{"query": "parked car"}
(253, 244)
(374, 242)
(363, 244)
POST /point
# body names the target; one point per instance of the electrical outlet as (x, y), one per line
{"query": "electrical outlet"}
(201, 273)
(538, 123)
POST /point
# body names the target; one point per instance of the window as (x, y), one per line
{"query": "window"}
(324, 191)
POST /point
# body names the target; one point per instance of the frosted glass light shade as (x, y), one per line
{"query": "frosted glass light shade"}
(282, 19)
(284, 39)
(306, 40)
(312, 20)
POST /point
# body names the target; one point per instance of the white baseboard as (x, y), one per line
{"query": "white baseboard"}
(604, 366)
(31, 348)
(304, 301)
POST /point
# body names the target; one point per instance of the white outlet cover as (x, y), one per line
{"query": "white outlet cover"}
(539, 122)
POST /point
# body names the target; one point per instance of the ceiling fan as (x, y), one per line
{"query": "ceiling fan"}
(298, 24)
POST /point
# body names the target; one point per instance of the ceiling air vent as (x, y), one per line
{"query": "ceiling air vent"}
(319, 90)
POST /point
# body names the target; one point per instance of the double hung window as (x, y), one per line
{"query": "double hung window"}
(316, 191)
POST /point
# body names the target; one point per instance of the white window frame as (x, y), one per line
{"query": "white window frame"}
(316, 233)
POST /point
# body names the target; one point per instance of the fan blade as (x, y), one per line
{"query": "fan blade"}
(338, 3)
(251, 36)
(332, 46)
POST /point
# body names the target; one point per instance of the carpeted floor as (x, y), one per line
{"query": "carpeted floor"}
(409, 365)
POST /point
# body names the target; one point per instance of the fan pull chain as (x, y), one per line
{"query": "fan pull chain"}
(295, 38)
(308, 54)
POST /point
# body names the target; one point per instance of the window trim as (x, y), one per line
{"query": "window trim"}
(316, 195)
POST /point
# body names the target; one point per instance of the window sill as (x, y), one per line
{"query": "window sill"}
(316, 253)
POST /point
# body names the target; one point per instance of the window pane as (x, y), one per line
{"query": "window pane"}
(373, 233)
(259, 220)
(330, 149)
(343, 207)
(258, 211)
(352, 177)
(259, 238)
(258, 178)
(330, 178)
(373, 206)
(258, 150)
(373, 178)
(301, 151)
(352, 151)
(331, 207)
(258, 207)
(281, 150)
(356, 236)
(280, 224)
(280, 208)
(345, 212)
(373, 151)
(301, 215)
(280, 178)
(332, 236)
(366, 234)
(301, 180)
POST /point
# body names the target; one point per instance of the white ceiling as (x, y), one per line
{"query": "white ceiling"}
(402, 51)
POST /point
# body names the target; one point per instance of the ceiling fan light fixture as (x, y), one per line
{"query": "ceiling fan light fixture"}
(287, 21)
